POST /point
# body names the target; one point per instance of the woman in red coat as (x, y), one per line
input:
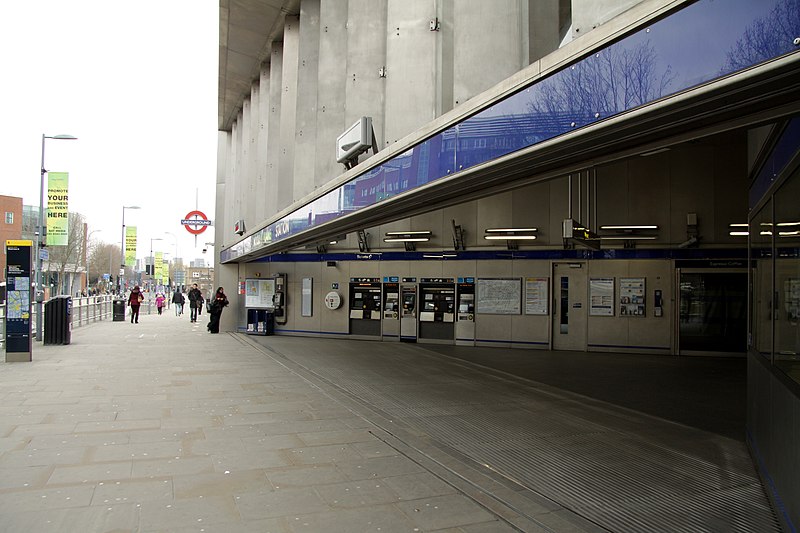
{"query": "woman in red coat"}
(134, 301)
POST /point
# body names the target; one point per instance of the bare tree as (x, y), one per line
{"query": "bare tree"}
(103, 258)
(766, 37)
(70, 254)
(613, 80)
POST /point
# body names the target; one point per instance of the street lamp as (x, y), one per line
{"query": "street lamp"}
(152, 260)
(121, 277)
(39, 282)
(175, 258)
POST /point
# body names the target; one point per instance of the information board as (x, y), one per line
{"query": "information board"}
(601, 296)
(18, 295)
(631, 297)
(259, 293)
(536, 296)
(499, 296)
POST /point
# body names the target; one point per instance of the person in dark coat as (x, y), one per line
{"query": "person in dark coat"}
(220, 301)
(178, 300)
(195, 302)
(134, 301)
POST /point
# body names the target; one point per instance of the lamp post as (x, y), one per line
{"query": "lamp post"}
(152, 260)
(39, 295)
(175, 258)
(121, 277)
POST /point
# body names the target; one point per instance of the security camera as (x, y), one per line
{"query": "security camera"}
(205, 250)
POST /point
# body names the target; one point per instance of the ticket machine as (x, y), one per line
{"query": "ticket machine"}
(391, 309)
(437, 314)
(365, 306)
(408, 310)
(465, 318)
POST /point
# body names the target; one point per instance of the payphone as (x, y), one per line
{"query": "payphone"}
(437, 311)
(408, 310)
(279, 299)
(365, 306)
(391, 308)
(465, 318)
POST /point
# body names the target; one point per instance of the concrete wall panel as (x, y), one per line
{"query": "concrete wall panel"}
(331, 88)
(410, 67)
(307, 77)
(289, 97)
(274, 132)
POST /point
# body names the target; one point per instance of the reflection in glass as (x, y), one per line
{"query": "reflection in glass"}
(761, 253)
(713, 313)
(787, 276)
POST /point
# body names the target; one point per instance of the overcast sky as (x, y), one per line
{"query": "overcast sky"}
(136, 82)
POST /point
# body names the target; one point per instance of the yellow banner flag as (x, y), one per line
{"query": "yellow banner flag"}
(57, 208)
(130, 245)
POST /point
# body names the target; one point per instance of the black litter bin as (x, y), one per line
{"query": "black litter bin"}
(58, 320)
(119, 311)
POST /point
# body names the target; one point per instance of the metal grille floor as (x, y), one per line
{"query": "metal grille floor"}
(618, 469)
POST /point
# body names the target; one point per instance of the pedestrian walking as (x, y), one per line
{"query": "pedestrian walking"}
(178, 299)
(195, 302)
(220, 301)
(134, 301)
(160, 301)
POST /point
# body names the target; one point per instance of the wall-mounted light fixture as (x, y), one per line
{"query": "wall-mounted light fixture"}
(629, 233)
(408, 238)
(630, 228)
(510, 234)
(439, 256)
(785, 229)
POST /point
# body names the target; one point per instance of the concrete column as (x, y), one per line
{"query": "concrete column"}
(306, 113)
(227, 276)
(291, 53)
(366, 55)
(487, 45)
(244, 170)
(410, 67)
(260, 213)
(543, 27)
(589, 14)
(444, 57)
(274, 128)
(249, 213)
(331, 88)
(234, 207)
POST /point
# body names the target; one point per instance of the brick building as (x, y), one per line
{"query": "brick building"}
(10, 226)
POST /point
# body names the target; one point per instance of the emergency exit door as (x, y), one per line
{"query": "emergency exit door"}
(569, 306)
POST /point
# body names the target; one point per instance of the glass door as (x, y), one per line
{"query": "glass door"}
(713, 312)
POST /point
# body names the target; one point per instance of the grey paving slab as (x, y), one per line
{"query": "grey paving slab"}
(162, 427)
(288, 503)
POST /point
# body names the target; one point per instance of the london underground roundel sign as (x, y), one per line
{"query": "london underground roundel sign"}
(196, 222)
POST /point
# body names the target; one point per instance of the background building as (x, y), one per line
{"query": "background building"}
(11, 226)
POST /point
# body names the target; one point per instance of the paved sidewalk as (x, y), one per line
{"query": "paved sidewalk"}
(160, 426)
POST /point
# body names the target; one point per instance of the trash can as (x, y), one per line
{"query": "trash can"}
(119, 311)
(58, 320)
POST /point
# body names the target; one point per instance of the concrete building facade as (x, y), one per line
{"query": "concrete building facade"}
(546, 175)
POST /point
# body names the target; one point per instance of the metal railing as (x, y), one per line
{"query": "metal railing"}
(87, 309)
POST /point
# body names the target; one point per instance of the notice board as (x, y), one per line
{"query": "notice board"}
(499, 296)
(259, 293)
